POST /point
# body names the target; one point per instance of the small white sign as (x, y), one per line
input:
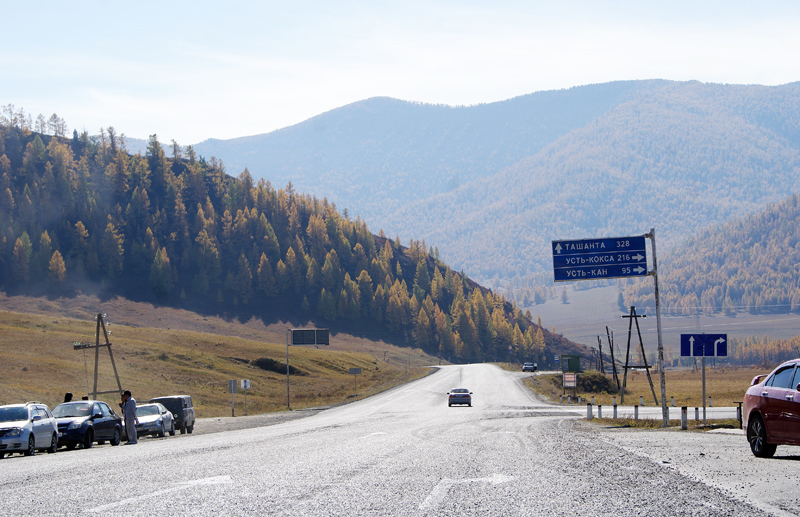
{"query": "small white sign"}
(245, 384)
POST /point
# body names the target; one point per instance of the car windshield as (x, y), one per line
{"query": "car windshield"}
(13, 414)
(147, 410)
(73, 410)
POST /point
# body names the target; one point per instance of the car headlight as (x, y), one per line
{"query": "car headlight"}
(74, 425)
(15, 432)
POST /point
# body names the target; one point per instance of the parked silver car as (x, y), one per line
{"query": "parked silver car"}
(154, 419)
(26, 428)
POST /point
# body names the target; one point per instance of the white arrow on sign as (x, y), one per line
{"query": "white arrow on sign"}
(717, 342)
(558, 248)
(638, 257)
(639, 269)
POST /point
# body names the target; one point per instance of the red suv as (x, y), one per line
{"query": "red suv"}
(771, 409)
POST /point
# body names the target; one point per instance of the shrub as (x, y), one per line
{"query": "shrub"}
(590, 381)
(271, 365)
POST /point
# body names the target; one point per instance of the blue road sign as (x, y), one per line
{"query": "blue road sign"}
(590, 259)
(704, 345)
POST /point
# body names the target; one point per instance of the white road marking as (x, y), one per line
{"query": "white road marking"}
(215, 480)
(439, 492)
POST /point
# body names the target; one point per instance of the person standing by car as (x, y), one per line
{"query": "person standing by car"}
(128, 406)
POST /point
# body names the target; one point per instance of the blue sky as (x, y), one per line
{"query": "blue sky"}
(195, 70)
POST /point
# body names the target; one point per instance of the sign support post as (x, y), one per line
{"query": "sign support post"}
(303, 337)
(711, 345)
(703, 362)
(664, 410)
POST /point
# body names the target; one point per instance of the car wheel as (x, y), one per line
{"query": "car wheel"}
(757, 436)
(88, 439)
(172, 429)
(190, 428)
(470, 404)
(31, 450)
(53, 444)
(117, 437)
(161, 430)
(2, 455)
(183, 428)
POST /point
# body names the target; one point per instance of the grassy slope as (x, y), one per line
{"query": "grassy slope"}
(161, 351)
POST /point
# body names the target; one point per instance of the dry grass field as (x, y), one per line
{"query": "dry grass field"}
(725, 386)
(38, 362)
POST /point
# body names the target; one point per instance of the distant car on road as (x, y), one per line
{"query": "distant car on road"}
(182, 411)
(26, 428)
(771, 409)
(85, 422)
(154, 419)
(529, 367)
(459, 396)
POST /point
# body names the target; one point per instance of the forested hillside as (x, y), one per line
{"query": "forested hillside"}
(179, 230)
(492, 185)
(748, 264)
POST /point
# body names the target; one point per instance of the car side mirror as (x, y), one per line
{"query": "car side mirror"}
(97, 415)
(36, 418)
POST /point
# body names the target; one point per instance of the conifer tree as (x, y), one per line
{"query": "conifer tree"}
(22, 258)
(57, 270)
(161, 274)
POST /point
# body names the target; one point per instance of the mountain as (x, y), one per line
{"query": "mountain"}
(82, 213)
(381, 154)
(491, 185)
(676, 160)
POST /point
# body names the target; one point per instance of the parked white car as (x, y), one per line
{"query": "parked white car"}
(26, 428)
(154, 419)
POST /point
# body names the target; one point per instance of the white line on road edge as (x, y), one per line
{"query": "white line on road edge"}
(216, 480)
(439, 492)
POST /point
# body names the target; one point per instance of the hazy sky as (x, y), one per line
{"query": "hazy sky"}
(197, 70)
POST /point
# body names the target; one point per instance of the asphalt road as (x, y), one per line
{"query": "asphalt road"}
(402, 452)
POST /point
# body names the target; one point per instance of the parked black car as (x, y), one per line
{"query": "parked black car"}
(182, 411)
(85, 422)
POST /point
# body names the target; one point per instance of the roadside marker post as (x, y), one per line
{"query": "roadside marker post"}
(232, 391)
